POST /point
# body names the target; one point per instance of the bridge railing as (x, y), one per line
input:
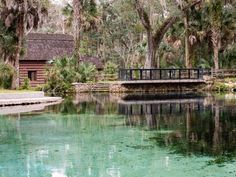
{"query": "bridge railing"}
(160, 74)
(223, 73)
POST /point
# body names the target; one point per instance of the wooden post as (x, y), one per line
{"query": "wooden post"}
(160, 75)
(141, 74)
(131, 72)
(150, 74)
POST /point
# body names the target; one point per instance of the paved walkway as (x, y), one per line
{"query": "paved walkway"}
(25, 98)
(24, 108)
(27, 101)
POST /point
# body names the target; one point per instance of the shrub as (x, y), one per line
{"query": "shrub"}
(110, 68)
(61, 75)
(65, 71)
(87, 72)
(26, 84)
(221, 87)
(6, 75)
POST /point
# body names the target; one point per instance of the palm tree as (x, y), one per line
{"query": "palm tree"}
(77, 7)
(23, 16)
(216, 9)
(82, 15)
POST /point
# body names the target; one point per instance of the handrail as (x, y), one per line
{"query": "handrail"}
(162, 74)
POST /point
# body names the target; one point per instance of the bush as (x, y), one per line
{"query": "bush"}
(87, 72)
(6, 75)
(221, 87)
(65, 71)
(110, 68)
(26, 84)
(61, 75)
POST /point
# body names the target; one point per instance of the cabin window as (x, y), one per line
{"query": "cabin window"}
(32, 75)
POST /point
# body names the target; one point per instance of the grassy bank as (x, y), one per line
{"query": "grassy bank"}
(225, 85)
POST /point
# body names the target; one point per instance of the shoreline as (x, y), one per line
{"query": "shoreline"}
(26, 98)
(227, 85)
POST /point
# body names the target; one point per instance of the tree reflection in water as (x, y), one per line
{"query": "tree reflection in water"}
(187, 125)
(86, 137)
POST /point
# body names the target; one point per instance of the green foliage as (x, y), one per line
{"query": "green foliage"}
(110, 68)
(64, 72)
(88, 26)
(8, 41)
(67, 11)
(61, 75)
(228, 57)
(215, 8)
(6, 75)
(220, 160)
(221, 87)
(87, 72)
(202, 63)
(26, 84)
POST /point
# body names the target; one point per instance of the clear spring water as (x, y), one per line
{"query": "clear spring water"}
(128, 136)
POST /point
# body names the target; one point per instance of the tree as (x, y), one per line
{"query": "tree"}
(154, 38)
(8, 42)
(77, 24)
(121, 34)
(216, 9)
(23, 16)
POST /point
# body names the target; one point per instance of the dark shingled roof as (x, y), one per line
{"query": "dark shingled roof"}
(48, 46)
(94, 60)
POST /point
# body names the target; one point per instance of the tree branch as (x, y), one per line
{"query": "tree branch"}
(142, 15)
(191, 5)
(160, 32)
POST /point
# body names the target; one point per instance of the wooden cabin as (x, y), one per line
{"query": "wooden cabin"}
(40, 48)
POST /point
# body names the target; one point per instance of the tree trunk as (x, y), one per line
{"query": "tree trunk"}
(151, 54)
(16, 78)
(20, 30)
(216, 10)
(77, 26)
(155, 40)
(187, 43)
(216, 45)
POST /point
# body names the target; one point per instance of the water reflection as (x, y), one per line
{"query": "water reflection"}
(122, 135)
(188, 124)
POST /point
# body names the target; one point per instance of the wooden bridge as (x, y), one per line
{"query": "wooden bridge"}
(161, 76)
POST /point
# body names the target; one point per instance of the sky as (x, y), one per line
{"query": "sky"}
(60, 1)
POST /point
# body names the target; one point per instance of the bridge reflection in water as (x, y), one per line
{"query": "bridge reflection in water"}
(158, 107)
(186, 123)
(146, 109)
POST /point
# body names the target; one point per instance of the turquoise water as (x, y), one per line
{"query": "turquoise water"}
(122, 136)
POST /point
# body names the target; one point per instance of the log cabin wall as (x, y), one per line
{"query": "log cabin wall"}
(34, 70)
(41, 48)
